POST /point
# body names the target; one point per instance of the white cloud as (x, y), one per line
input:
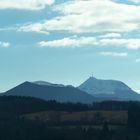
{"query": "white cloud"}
(4, 44)
(95, 16)
(28, 27)
(111, 35)
(106, 17)
(132, 43)
(25, 4)
(92, 41)
(138, 60)
(114, 54)
(91, 16)
(32, 28)
(69, 42)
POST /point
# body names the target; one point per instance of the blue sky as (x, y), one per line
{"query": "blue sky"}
(66, 41)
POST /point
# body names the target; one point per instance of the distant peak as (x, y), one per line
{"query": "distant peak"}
(26, 82)
(92, 78)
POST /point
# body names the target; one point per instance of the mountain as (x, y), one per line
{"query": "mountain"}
(108, 89)
(48, 91)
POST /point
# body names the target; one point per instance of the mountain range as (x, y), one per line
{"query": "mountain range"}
(49, 91)
(91, 90)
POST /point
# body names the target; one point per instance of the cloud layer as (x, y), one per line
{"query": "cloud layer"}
(95, 22)
(115, 22)
(94, 16)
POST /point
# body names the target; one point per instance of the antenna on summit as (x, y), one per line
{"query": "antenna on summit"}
(92, 76)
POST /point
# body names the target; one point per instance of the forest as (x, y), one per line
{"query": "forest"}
(27, 118)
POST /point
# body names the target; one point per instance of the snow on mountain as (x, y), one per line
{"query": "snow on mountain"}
(47, 84)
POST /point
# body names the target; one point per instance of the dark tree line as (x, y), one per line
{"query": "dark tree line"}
(134, 117)
(14, 105)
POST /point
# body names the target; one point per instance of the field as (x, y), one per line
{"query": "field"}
(83, 117)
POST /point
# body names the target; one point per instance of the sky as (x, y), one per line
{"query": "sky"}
(66, 41)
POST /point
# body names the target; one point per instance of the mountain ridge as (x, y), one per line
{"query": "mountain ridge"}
(92, 90)
(51, 92)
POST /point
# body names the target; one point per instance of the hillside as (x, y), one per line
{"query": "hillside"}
(108, 89)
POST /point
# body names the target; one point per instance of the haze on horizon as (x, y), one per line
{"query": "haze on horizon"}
(65, 41)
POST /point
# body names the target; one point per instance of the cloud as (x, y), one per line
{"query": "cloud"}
(111, 35)
(28, 27)
(25, 4)
(69, 42)
(4, 44)
(75, 41)
(130, 43)
(114, 54)
(108, 18)
(88, 16)
(138, 60)
(91, 16)
(32, 28)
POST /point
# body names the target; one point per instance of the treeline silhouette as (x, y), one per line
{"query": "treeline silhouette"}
(17, 105)
(15, 127)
